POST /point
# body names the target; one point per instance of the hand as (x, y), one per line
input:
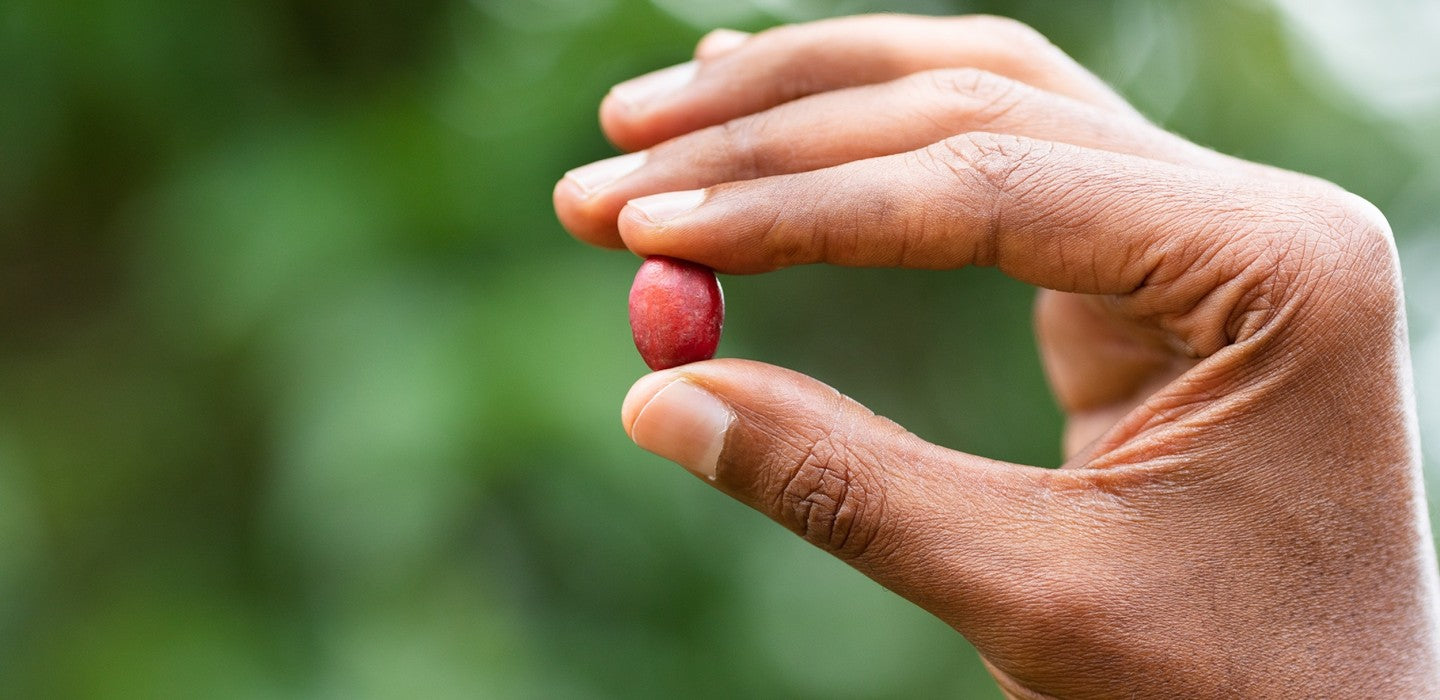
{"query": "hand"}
(1240, 514)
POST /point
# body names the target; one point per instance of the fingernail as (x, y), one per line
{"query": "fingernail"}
(600, 174)
(646, 88)
(722, 41)
(659, 208)
(678, 421)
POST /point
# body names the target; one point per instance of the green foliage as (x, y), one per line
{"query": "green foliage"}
(306, 394)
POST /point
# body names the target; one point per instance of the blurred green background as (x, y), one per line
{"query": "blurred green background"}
(305, 394)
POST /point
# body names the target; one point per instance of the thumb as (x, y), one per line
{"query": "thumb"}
(950, 531)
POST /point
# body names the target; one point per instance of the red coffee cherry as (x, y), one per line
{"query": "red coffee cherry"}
(676, 312)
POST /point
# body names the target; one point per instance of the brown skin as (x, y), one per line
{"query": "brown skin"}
(1241, 512)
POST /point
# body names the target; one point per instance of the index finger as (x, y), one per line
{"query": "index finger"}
(1188, 243)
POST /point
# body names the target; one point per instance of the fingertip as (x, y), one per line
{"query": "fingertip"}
(618, 121)
(640, 395)
(679, 421)
(635, 230)
(629, 112)
(645, 236)
(577, 215)
(720, 42)
(565, 197)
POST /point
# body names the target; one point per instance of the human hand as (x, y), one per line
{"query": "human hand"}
(1240, 513)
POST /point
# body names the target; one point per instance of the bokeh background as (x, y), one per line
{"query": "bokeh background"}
(305, 394)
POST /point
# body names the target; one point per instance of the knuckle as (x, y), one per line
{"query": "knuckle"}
(740, 147)
(830, 498)
(1327, 261)
(977, 97)
(1359, 256)
(1344, 243)
(798, 232)
(1365, 229)
(967, 81)
(990, 169)
(1003, 161)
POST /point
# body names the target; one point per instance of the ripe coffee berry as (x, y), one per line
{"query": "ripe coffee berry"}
(676, 312)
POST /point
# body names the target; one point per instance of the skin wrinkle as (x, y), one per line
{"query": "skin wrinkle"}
(802, 489)
(867, 506)
(805, 488)
(1195, 264)
(1175, 408)
(1203, 323)
(1151, 418)
(740, 138)
(982, 98)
